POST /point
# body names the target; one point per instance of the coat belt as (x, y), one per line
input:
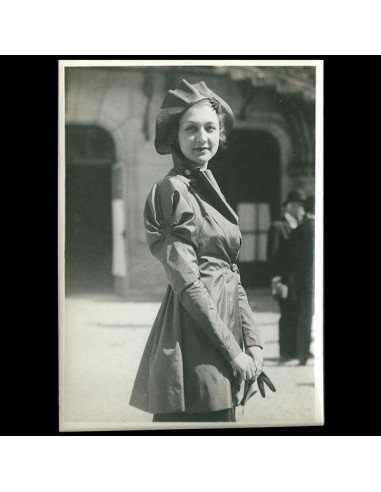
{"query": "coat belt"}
(233, 267)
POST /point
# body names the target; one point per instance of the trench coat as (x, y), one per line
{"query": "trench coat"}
(205, 319)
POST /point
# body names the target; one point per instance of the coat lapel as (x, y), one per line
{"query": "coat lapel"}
(229, 212)
(208, 183)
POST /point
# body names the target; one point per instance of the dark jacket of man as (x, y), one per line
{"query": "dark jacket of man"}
(302, 243)
(278, 250)
(280, 264)
(302, 248)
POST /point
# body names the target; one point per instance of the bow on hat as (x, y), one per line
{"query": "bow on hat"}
(177, 101)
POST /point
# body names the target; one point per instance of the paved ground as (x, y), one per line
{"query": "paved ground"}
(102, 340)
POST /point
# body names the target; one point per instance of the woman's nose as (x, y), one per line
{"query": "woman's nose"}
(201, 135)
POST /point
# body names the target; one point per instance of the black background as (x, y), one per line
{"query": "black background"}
(30, 297)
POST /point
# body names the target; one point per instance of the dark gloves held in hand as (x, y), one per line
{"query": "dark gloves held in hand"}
(261, 381)
(249, 391)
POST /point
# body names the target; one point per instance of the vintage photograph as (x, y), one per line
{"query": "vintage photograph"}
(191, 244)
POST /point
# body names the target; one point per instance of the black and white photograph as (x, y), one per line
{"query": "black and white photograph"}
(190, 244)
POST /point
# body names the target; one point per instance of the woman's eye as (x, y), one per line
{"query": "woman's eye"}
(192, 128)
(211, 128)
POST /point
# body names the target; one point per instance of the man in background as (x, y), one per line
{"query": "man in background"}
(281, 266)
(302, 244)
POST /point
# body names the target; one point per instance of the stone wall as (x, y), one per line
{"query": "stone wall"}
(125, 103)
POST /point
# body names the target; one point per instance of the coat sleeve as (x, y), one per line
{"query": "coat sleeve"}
(172, 236)
(273, 250)
(277, 252)
(249, 327)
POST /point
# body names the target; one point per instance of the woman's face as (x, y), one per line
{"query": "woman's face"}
(199, 134)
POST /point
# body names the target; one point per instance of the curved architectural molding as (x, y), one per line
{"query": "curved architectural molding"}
(274, 124)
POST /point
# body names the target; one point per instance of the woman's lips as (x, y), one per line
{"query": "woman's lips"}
(201, 149)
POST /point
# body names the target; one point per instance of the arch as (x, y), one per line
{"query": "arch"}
(122, 182)
(274, 124)
(90, 154)
(88, 144)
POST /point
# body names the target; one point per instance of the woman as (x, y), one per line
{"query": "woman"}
(197, 344)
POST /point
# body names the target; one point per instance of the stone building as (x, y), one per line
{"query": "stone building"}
(111, 164)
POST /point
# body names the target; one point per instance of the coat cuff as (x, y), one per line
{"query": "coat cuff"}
(254, 345)
(233, 352)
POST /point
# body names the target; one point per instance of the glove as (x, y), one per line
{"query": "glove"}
(249, 391)
(261, 379)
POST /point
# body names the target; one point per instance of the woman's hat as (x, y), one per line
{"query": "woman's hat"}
(295, 196)
(176, 102)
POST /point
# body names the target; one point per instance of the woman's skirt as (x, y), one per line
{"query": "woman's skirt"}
(227, 415)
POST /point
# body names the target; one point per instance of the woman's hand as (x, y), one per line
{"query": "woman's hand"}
(244, 364)
(256, 353)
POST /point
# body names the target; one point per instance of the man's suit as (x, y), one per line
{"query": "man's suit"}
(280, 263)
(302, 243)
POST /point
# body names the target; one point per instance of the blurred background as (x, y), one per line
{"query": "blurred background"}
(111, 164)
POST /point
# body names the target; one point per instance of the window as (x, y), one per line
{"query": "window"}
(254, 223)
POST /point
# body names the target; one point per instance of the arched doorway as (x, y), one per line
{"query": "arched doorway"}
(248, 173)
(90, 153)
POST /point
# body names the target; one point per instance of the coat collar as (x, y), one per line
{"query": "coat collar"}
(185, 168)
(292, 222)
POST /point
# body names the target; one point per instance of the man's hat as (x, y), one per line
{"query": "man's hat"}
(295, 196)
(176, 102)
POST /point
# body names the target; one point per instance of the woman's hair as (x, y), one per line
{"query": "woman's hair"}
(174, 130)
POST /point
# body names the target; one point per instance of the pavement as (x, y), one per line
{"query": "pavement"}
(102, 338)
